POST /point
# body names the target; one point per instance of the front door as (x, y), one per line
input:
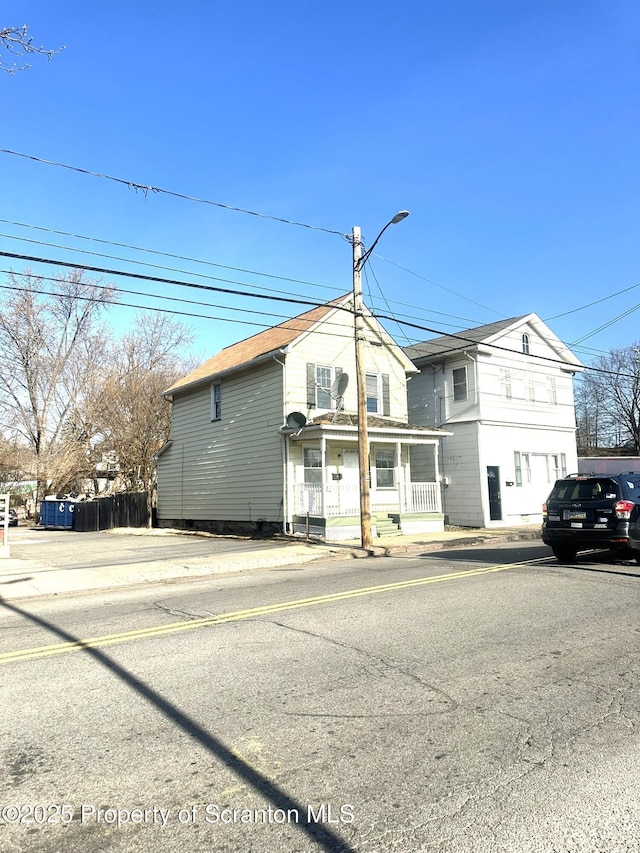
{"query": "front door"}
(495, 504)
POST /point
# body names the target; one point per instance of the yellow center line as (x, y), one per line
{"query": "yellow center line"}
(250, 613)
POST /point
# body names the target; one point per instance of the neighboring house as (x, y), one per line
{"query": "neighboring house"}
(264, 435)
(505, 392)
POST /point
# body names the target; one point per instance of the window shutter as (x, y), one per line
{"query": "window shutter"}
(311, 386)
(386, 404)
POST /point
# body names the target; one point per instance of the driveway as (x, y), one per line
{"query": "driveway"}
(66, 549)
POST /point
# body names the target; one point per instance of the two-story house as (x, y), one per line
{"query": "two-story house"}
(265, 435)
(505, 392)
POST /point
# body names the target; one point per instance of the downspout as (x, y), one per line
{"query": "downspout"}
(285, 466)
(475, 378)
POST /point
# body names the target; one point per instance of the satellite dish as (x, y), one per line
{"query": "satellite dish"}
(296, 420)
(339, 385)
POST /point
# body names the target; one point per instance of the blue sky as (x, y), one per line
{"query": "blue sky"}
(510, 130)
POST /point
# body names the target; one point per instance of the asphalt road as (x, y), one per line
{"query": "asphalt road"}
(469, 701)
(68, 549)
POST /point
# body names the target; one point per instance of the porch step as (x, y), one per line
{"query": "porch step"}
(387, 525)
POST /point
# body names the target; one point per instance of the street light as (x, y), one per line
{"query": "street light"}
(359, 260)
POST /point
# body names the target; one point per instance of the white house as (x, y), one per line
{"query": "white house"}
(505, 392)
(264, 435)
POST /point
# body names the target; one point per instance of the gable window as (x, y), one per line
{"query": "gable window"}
(312, 460)
(385, 468)
(525, 344)
(460, 384)
(216, 401)
(320, 380)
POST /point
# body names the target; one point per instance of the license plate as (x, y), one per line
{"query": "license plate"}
(575, 514)
(600, 526)
(577, 524)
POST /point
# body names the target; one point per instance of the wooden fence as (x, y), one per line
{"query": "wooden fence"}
(126, 509)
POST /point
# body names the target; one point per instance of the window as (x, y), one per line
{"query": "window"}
(558, 466)
(324, 380)
(312, 460)
(385, 469)
(525, 344)
(320, 380)
(374, 393)
(522, 464)
(552, 395)
(531, 389)
(460, 383)
(216, 401)
(505, 380)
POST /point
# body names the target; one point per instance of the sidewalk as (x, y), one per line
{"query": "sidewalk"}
(27, 578)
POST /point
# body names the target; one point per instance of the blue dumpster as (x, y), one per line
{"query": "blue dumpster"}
(58, 514)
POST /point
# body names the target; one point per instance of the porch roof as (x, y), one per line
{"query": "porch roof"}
(345, 426)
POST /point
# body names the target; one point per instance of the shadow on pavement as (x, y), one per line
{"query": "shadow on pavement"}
(318, 833)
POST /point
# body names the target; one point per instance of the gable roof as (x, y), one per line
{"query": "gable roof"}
(489, 334)
(271, 341)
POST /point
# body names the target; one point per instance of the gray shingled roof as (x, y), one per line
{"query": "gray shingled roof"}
(460, 340)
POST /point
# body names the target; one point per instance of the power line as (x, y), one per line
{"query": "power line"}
(150, 251)
(337, 330)
(160, 280)
(148, 188)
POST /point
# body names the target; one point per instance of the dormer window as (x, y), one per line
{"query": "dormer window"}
(525, 344)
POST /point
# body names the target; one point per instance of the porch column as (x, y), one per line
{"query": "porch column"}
(438, 478)
(323, 462)
(400, 477)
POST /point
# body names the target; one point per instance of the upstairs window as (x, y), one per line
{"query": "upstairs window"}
(320, 381)
(460, 384)
(525, 344)
(216, 401)
(505, 381)
(552, 394)
(324, 381)
(374, 393)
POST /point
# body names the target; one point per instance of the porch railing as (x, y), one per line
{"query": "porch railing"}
(341, 499)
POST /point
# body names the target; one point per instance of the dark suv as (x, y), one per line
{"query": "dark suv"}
(593, 511)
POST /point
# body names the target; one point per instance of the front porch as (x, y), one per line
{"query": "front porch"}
(333, 511)
(323, 473)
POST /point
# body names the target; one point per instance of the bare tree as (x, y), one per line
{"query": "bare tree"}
(51, 348)
(18, 42)
(608, 403)
(134, 419)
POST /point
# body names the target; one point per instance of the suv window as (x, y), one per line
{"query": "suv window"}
(586, 490)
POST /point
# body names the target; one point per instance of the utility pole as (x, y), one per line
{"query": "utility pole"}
(359, 260)
(361, 380)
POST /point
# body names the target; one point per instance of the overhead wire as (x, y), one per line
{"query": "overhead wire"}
(148, 188)
(156, 252)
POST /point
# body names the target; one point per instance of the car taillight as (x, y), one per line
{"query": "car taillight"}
(623, 508)
(544, 509)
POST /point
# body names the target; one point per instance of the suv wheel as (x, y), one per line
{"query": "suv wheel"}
(564, 553)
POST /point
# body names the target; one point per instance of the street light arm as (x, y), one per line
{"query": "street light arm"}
(402, 214)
